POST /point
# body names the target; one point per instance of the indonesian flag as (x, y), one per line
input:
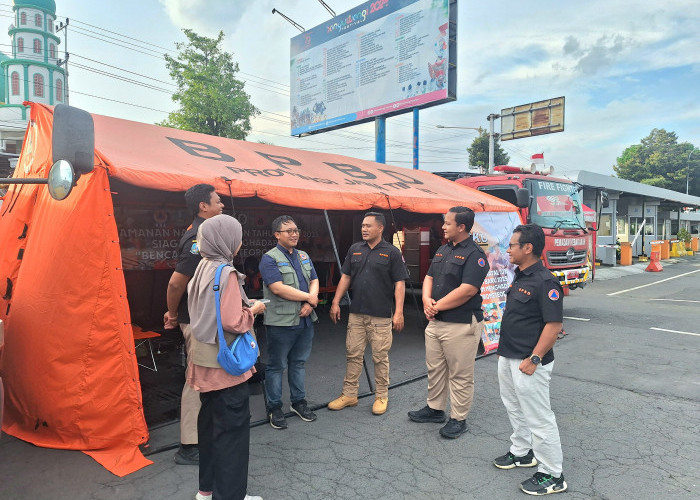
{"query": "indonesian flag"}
(538, 158)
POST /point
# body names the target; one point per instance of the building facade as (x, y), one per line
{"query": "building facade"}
(31, 72)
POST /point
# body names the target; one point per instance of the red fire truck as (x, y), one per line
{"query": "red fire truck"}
(555, 205)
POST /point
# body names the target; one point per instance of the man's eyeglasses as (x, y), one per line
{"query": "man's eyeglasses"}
(289, 231)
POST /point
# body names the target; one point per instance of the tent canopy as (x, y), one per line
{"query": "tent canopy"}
(167, 159)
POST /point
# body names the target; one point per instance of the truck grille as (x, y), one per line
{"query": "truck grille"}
(562, 258)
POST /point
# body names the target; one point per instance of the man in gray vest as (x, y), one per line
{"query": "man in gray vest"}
(291, 285)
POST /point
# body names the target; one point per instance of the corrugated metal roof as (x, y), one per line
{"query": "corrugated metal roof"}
(608, 182)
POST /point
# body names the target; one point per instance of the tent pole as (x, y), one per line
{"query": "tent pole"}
(347, 295)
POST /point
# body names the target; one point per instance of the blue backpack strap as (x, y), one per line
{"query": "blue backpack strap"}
(217, 294)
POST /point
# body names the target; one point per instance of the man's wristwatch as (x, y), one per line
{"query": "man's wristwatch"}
(535, 359)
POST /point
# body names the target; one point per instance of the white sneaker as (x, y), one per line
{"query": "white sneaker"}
(249, 497)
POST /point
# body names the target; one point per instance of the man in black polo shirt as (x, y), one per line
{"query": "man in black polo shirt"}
(204, 203)
(376, 271)
(452, 304)
(529, 328)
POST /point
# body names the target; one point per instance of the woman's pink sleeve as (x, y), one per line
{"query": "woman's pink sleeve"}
(235, 317)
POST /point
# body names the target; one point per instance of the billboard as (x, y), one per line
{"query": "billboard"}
(381, 58)
(537, 118)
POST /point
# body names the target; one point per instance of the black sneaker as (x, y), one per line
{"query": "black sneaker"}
(301, 409)
(454, 428)
(510, 461)
(277, 420)
(187, 455)
(427, 414)
(544, 484)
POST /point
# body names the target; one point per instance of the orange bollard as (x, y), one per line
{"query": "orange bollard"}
(694, 244)
(625, 253)
(655, 261)
(665, 249)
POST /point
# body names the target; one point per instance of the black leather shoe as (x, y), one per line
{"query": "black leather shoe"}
(427, 414)
(454, 428)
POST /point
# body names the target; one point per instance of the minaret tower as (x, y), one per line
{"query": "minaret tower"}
(32, 73)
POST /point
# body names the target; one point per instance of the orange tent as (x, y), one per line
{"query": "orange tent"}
(68, 364)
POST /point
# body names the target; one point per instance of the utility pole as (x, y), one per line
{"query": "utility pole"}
(491, 118)
(65, 54)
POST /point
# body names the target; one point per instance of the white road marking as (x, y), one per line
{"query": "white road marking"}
(576, 319)
(674, 331)
(678, 300)
(654, 283)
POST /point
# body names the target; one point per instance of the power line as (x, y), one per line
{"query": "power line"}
(273, 86)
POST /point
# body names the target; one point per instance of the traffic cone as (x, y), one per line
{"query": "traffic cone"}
(655, 261)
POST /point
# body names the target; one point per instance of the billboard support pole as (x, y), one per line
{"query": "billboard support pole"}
(491, 118)
(380, 139)
(415, 138)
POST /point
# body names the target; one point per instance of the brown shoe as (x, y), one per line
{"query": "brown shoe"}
(379, 406)
(342, 402)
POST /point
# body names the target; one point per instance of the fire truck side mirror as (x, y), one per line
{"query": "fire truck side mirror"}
(73, 138)
(522, 197)
(604, 201)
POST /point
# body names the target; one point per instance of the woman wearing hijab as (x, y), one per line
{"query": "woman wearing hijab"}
(223, 423)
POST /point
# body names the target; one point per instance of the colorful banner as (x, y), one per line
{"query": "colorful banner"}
(492, 231)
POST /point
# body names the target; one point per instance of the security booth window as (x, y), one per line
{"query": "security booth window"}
(605, 227)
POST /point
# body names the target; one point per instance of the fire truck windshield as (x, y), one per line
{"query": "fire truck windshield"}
(555, 204)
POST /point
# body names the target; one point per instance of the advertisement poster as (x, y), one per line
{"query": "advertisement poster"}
(492, 231)
(378, 58)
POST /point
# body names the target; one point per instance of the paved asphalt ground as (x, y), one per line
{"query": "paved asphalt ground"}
(626, 392)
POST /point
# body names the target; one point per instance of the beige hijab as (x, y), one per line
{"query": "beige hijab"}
(218, 239)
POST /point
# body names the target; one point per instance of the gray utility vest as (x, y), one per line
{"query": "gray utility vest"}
(282, 312)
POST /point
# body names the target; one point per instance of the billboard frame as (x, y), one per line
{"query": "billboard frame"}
(451, 76)
(509, 119)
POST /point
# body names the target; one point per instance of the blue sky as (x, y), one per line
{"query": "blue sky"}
(625, 67)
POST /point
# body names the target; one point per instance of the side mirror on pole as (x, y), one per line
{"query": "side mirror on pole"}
(61, 180)
(73, 138)
(73, 152)
(522, 197)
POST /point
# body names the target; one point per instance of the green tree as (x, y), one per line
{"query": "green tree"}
(211, 99)
(660, 160)
(479, 152)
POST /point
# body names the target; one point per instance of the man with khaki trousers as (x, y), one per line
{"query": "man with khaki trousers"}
(452, 305)
(376, 272)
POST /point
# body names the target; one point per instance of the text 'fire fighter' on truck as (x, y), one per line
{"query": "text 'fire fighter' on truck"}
(555, 205)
